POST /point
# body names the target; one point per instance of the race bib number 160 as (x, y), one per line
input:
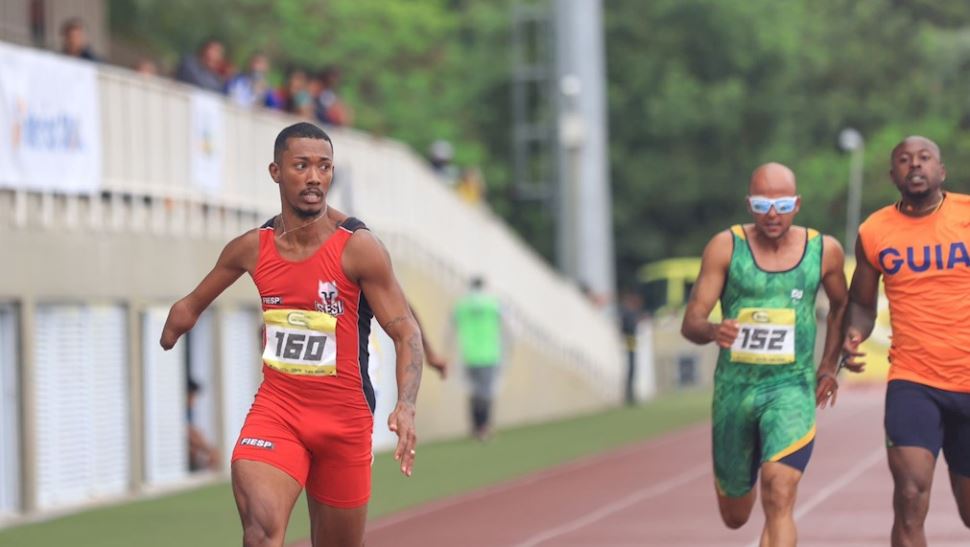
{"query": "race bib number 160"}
(766, 337)
(300, 342)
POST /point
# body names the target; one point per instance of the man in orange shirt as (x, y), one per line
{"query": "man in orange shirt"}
(920, 248)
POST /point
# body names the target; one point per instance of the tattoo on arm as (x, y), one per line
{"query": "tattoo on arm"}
(411, 377)
(393, 322)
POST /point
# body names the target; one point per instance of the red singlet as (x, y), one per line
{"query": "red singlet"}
(313, 414)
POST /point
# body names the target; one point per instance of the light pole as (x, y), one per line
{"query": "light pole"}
(571, 139)
(851, 141)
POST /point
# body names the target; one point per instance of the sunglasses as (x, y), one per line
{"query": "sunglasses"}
(761, 205)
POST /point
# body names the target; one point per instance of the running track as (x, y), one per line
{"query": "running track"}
(660, 493)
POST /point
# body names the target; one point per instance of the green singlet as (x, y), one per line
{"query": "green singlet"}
(478, 320)
(764, 385)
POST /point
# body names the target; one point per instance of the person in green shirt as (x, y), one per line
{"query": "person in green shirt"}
(479, 327)
(766, 387)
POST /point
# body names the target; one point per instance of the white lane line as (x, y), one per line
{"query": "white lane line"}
(619, 505)
(844, 480)
(562, 469)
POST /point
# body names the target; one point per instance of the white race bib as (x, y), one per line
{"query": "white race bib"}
(301, 342)
(766, 337)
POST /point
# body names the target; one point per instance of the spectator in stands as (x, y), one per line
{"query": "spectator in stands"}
(251, 88)
(471, 186)
(440, 154)
(598, 300)
(146, 67)
(202, 454)
(296, 94)
(479, 326)
(204, 69)
(74, 40)
(328, 106)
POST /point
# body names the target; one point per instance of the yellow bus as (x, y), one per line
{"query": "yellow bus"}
(665, 286)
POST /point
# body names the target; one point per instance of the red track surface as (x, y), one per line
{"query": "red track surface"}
(661, 493)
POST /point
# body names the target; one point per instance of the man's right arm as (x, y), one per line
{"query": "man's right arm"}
(860, 318)
(238, 257)
(707, 290)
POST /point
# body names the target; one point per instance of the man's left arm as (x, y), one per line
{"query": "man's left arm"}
(836, 289)
(367, 261)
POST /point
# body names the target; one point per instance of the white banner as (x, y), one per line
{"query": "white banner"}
(207, 146)
(50, 122)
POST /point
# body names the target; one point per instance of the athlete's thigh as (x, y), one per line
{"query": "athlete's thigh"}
(734, 439)
(787, 424)
(956, 431)
(956, 448)
(341, 453)
(777, 478)
(336, 526)
(270, 435)
(269, 466)
(913, 418)
(264, 495)
(911, 467)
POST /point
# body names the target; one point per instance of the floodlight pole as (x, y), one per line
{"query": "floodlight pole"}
(851, 141)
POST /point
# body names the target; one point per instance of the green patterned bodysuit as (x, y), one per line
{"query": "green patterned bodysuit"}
(764, 385)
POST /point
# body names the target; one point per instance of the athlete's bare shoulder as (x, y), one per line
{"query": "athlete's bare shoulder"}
(833, 255)
(831, 245)
(719, 249)
(242, 252)
(364, 255)
(365, 242)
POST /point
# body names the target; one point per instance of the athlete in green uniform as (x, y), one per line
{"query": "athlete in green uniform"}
(766, 275)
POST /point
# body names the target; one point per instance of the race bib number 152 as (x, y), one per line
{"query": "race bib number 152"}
(766, 337)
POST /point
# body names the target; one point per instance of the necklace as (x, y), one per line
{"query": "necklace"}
(909, 211)
(304, 225)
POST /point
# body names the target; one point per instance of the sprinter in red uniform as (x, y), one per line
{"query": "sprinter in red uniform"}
(321, 276)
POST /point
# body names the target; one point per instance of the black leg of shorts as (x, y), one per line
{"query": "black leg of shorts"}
(799, 458)
(931, 418)
(956, 432)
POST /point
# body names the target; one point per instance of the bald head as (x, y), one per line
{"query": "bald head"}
(916, 142)
(772, 179)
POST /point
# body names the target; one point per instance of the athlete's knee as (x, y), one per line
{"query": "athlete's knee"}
(778, 494)
(262, 534)
(911, 501)
(262, 529)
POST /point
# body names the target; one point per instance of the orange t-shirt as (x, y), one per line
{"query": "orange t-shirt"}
(925, 263)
